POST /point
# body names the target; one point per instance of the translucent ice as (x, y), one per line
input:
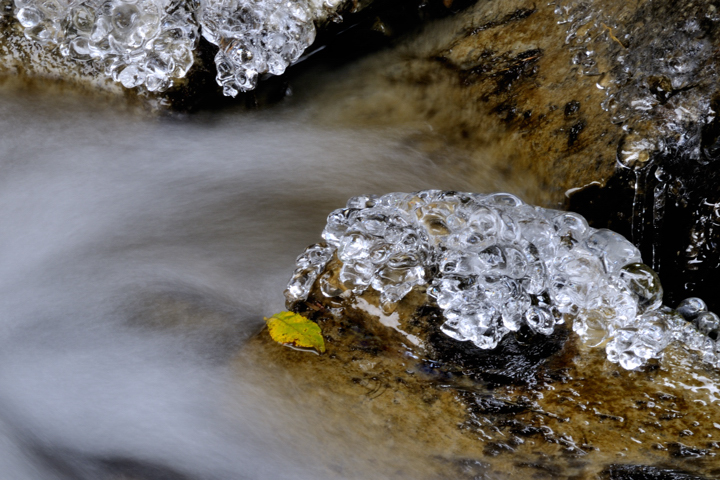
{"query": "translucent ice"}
(495, 265)
(143, 42)
(308, 266)
(654, 72)
(151, 42)
(255, 37)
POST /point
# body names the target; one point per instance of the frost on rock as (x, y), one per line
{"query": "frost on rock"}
(660, 73)
(146, 42)
(495, 265)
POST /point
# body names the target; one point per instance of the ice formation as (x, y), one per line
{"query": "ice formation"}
(495, 265)
(658, 73)
(145, 43)
(151, 42)
(257, 37)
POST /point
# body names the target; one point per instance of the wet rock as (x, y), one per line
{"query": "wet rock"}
(611, 104)
(640, 472)
(407, 410)
(497, 82)
(432, 406)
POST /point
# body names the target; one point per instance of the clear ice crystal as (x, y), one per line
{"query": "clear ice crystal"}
(255, 37)
(308, 267)
(495, 265)
(150, 43)
(137, 42)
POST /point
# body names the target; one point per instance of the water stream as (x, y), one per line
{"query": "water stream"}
(106, 213)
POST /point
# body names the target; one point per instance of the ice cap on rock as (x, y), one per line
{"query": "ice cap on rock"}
(494, 265)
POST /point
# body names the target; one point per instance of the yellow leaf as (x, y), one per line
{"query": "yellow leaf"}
(295, 330)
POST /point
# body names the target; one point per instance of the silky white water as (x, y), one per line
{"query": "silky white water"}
(104, 212)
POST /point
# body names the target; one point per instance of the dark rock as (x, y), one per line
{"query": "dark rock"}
(515, 360)
(642, 472)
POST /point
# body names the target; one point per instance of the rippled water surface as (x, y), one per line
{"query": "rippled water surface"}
(104, 215)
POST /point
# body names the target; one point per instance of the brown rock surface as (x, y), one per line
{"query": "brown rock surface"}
(498, 82)
(386, 391)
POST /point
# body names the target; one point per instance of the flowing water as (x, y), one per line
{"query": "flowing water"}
(103, 215)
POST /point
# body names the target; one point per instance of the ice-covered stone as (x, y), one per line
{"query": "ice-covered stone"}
(137, 42)
(256, 37)
(151, 43)
(495, 265)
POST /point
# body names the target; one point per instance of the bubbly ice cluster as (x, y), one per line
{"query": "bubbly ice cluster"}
(255, 37)
(137, 42)
(495, 265)
(151, 42)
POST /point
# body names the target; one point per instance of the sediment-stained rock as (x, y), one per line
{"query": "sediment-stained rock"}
(496, 81)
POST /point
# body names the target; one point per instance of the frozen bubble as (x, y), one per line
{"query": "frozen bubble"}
(540, 320)
(571, 226)
(327, 287)
(495, 265)
(361, 201)
(707, 322)
(591, 326)
(691, 308)
(29, 17)
(514, 310)
(644, 283)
